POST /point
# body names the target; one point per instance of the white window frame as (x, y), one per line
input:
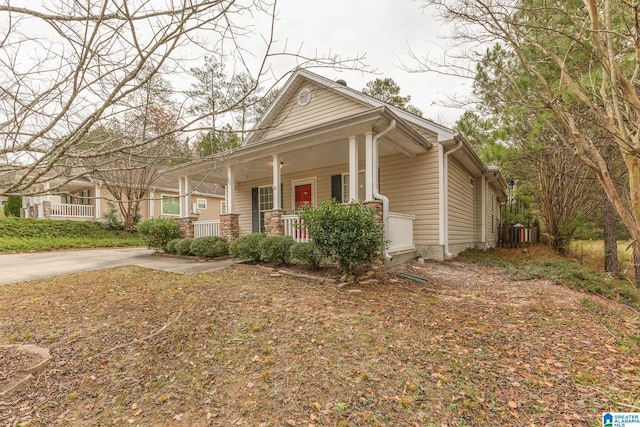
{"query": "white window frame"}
(361, 186)
(223, 207)
(169, 196)
(305, 181)
(267, 206)
(202, 207)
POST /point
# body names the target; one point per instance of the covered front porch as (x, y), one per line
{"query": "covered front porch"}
(268, 181)
(79, 201)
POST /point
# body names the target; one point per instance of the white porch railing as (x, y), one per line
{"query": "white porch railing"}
(293, 228)
(69, 210)
(206, 228)
(399, 228)
(400, 232)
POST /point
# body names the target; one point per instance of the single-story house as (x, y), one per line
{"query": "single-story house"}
(87, 198)
(320, 139)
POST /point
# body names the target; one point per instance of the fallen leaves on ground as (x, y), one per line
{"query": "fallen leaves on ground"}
(132, 346)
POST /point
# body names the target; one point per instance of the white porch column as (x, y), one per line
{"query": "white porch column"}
(231, 190)
(353, 168)
(370, 171)
(276, 182)
(187, 196)
(98, 201)
(183, 190)
(152, 204)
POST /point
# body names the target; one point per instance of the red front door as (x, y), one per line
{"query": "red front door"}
(303, 195)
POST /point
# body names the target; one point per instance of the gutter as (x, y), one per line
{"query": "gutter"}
(445, 192)
(376, 189)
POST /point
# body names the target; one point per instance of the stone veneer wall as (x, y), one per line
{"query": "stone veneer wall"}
(230, 226)
(273, 223)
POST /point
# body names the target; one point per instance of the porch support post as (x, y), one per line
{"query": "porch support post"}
(187, 197)
(152, 203)
(230, 190)
(353, 168)
(97, 205)
(276, 182)
(181, 193)
(369, 166)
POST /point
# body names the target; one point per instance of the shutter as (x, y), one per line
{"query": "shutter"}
(336, 187)
(255, 211)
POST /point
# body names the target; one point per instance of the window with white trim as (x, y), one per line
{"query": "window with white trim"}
(223, 207)
(345, 187)
(265, 203)
(170, 205)
(201, 204)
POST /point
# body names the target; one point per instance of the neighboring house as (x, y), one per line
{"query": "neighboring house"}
(86, 199)
(320, 139)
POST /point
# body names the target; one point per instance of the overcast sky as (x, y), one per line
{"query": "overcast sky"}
(384, 30)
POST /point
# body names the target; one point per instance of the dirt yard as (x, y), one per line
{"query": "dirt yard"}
(131, 346)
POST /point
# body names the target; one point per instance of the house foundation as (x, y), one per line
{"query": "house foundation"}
(230, 226)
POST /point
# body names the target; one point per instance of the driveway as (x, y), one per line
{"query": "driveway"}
(22, 267)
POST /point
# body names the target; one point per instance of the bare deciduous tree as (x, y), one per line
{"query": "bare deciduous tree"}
(68, 66)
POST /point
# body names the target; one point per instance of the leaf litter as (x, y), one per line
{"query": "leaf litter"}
(132, 346)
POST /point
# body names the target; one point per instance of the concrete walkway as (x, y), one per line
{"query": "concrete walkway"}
(21, 267)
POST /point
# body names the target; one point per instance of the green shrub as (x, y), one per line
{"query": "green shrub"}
(172, 246)
(12, 206)
(306, 253)
(183, 247)
(276, 249)
(157, 232)
(348, 234)
(247, 247)
(209, 247)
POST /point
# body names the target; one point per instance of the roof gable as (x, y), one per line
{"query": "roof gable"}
(329, 101)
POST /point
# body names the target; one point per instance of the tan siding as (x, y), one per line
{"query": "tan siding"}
(461, 205)
(478, 208)
(325, 106)
(493, 214)
(412, 187)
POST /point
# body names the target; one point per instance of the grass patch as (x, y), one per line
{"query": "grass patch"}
(540, 262)
(35, 235)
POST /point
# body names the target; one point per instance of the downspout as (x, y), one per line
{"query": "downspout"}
(445, 190)
(376, 189)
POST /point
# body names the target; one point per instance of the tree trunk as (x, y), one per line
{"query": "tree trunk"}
(610, 243)
(636, 262)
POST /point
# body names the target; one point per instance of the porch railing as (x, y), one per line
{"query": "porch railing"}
(293, 227)
(69, 210)
(400, 232)
(206, 228)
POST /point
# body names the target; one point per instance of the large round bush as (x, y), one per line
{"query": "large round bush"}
(156, 232)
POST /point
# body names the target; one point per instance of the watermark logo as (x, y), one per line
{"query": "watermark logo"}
(621, 419)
